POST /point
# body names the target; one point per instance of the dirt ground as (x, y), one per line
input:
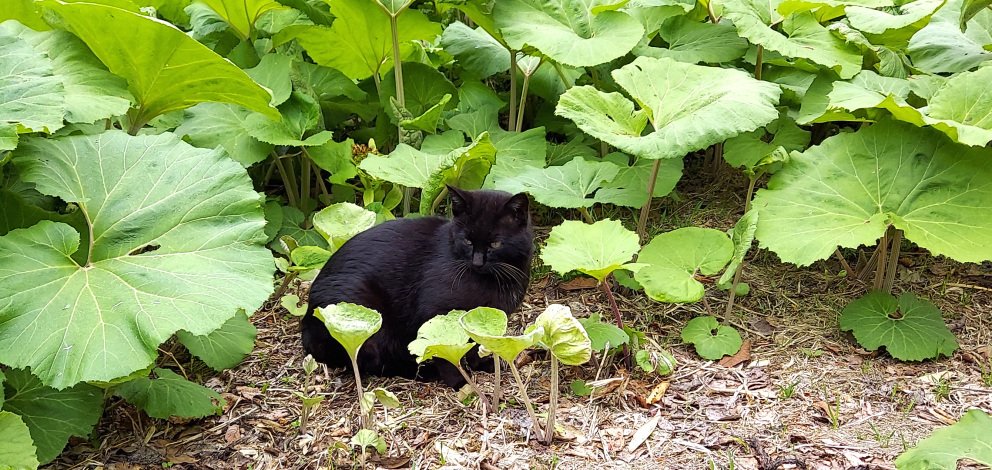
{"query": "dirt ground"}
(807, 396)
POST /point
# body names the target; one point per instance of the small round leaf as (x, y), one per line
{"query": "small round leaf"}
(594, 249)
(910, 328)
(350, 324)
(712, 340)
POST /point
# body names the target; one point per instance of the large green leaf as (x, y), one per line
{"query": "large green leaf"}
(943, 47)
(359, 41)
(337, 223)
(443, 337)
(211, 125)
(169, 394)
(753, 151)
(241, 15)
(166, 70)
(594, 249)
(17, 450)
(910, 328)
(464, 167)
(850, 189)
(964, 107)
(802, 35)
(91, 92)
(30, 94)
(176, 244)
(630, 187)
(297, 126)
(477, 52)
(349, 324)
(26, 12)
(895, 27)
(487, 326)
(52, 415)
(969, 438)
(674, 258)
(424, 87)
(563, 335)
(571, 185)
(273, 72)
(515, 152)
(690, 107)
(224, 347)
(694, 42)
(579, 33)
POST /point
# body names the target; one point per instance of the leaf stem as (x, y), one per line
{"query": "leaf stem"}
(642, 221)
(287, 181)
(586, 215)
(512, 118)
(752, 179)
(522, 104)
(89, 229)
(882, 260)
(844, 264)
(305, 183)
(497, 382)
(363, 417)
(758, 62)
(890, 271)
(486, 405)
(526, 399)
(549, 435)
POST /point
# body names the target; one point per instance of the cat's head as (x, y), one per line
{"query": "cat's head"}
(489, 228)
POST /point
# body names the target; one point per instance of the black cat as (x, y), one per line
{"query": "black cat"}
(410, 270)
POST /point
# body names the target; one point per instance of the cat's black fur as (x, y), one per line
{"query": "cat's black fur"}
(411, 270)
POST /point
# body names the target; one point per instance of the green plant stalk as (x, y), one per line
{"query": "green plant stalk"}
(89, 229)
(437, 201)
(497, 382)
(287, 181)
(605, 285)
(549, 435)
(523, 104)
(138, 120)
(759, 55)
(642, 221)
(285, 283)
(526, 399)
(586, 215)
(890, 271)
(512, 117)
(363, 416)
(486, 404)
(883, 259)
(400, 93)
(752, 179)
(305, 196)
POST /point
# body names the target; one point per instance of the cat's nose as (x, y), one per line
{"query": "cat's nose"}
(477, 260)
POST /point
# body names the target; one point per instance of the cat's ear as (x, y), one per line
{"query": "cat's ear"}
(459, 201)
(517, 207)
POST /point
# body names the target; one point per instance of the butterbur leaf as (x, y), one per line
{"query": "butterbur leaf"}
(443, 337)
(712, 340)
(674, 258)
(751, 152)
(477, 52)
(630, 187)
(52, 416)
(166, 70)
(224, 347)
(603, 335)
(851, 188)
(969, 438)
(742, 237)
(91, 92)
(464, 167)
(30, 93)
(358, 42)
(695, 42)
(291, 302)
(580, 388)
(804, 37)
(569, 185)
(169, 394)
(17, 450)
(307, 257)
(387, 398)
(211, 125)
(368, 438)
(690, 107)
(910, 328)
(300, 115)
(349, 324)
(593, 249)
(661, 362)
(943, 46)
(177, 236)
(8, 139)
(579, 33)
(273, 72)
(563, 335)
(964, 111)
(241, 15)
(337, 223)
(892, 28)
(487, 326)
(424, 87)
(335, 158)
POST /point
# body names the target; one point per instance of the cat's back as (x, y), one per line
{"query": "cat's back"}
(393, 242)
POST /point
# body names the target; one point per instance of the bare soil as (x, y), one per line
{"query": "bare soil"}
(806, 396)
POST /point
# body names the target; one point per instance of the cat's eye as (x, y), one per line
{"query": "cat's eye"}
(495, 244)
(467, 242)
